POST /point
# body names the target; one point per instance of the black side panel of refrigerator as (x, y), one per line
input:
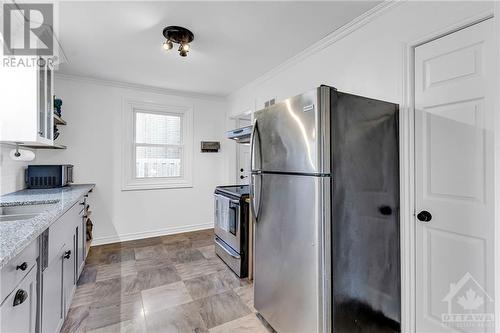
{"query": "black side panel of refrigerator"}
(366, 285)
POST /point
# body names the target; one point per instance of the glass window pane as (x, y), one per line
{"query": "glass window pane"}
(158, 162)
(157, 128)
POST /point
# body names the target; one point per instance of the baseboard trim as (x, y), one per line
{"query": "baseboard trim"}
(153, 233)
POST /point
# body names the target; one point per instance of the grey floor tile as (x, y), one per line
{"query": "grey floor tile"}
(89, 275)
(180, 319)
(208, 251)
(141, 242)
(246, 324)
(127, 326)
(205, 285)
(221, 308)
(114, 291)
(84, 295)
(128, 308)
(117, 270)
(152, 263)
(245, 293)
(150, 252)
(152, 278)
(76, 320)
(164, 297)
(188, 255)
(231, 279)
(198, 268)
(120, 255)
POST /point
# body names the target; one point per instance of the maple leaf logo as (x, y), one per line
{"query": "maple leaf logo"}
(471, 301)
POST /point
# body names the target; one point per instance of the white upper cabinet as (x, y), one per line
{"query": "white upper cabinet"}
(26, 107)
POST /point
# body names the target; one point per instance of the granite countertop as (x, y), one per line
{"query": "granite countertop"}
(15, 236)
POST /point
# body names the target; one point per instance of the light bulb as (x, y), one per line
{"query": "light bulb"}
(185, 47)
(167, 45)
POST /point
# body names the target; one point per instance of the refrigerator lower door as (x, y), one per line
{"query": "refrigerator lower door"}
(292, 253)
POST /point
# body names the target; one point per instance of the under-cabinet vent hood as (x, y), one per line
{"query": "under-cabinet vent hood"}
(240, 135)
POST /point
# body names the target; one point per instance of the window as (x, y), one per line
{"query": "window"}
(156, 149)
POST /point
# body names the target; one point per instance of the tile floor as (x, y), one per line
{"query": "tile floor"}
(163, 284)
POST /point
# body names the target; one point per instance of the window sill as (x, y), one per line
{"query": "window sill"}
(140, 186)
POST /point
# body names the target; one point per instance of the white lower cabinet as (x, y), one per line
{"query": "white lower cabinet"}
(69, 273)
(52, 311)
(36, 294)
(61, 274)
(18, 310)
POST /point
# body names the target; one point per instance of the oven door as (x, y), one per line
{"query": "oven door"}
(227, 221)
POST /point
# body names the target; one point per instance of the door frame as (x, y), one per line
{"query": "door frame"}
(407, 166)
(239, 119)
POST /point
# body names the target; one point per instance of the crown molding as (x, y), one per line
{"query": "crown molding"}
(323, 43)
(136, 86)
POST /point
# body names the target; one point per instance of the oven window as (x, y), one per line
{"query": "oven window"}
(233, 217)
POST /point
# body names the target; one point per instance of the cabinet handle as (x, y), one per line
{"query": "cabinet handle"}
(21, 296)
(67, 254)
(23, 266)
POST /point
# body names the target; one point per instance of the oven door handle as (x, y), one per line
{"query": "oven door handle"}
(224, 247)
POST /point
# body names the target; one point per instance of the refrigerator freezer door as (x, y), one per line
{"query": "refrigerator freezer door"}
(293, 136)
(292, 253)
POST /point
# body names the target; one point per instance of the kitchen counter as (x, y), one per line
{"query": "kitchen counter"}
(17, 235)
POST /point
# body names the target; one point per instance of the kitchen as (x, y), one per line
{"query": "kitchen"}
(134, 89)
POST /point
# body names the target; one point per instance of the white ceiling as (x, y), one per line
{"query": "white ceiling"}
(235, 42)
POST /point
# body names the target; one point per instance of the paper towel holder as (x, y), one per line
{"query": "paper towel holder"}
(21, 155)
(17, 153)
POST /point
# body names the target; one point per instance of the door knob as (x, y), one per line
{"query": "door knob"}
(67, 254)
(424, 216)
(23, 266)
(20, 297)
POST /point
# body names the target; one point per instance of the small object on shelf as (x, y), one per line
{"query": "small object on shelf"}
(56, 132)
(90, 226)
(57, 106)
(58, 120)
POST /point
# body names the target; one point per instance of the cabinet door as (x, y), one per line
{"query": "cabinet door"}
(42, 107)
(52, 295)
(49, 116)
(69, 273)
(18, 312)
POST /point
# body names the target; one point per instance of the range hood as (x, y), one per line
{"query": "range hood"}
(240, 135)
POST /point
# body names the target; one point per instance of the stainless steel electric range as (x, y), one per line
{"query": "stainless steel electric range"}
(231, 227)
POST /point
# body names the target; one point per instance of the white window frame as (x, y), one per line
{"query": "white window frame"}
(129, 180)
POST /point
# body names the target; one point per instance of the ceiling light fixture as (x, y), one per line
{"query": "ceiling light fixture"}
(178, 35)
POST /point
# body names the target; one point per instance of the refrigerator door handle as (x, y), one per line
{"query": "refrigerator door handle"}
(255, 149)
(255, 194)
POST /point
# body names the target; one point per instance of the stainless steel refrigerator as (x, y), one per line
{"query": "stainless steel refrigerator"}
(325, 197)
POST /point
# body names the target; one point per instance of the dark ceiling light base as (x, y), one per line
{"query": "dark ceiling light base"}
(178, 35)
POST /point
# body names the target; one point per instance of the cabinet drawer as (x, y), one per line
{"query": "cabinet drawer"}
(17, 269)
(59, 231)
(18, 311)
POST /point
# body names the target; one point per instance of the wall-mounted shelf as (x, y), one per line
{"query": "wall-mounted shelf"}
(44, 147)
(58, 120)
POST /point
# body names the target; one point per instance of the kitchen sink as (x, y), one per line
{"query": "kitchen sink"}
(22, 212)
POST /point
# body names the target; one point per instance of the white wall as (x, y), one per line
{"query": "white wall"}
(11, 172)
(93, 110)
(367, 61)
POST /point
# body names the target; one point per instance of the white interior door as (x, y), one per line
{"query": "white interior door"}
(454, 82)
(243, 164)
